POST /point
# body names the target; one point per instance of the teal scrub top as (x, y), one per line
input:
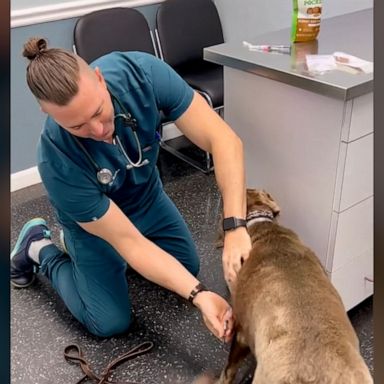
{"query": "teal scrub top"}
(144, 85)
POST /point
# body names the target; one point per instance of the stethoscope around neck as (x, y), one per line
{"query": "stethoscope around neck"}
(104, 175)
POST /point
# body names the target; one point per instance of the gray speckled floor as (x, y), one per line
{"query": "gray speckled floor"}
(41, 326)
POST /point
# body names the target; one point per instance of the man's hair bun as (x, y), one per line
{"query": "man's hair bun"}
(34, 47)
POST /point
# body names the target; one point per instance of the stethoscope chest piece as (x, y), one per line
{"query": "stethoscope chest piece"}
(104, 176)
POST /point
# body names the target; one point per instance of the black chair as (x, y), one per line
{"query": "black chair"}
(115, 29)
(183, 29)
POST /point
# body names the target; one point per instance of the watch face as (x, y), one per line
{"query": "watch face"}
(232, 223)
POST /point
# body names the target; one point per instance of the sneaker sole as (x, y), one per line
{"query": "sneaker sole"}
(62, 241)
(27, 226)
(25, 285)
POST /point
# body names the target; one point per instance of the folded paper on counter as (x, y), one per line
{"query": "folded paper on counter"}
(338, 61)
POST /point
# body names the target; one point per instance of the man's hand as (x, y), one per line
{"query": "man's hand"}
(237, 245)
(217, 314)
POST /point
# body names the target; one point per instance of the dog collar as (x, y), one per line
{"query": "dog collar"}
(258, 216)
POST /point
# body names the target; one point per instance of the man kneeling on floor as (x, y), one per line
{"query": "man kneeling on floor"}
(97, 159)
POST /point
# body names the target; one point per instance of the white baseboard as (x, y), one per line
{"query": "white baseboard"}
(31, 176)
(68, 9)
(25, 178)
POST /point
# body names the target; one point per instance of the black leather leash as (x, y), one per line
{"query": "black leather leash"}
(78, 358)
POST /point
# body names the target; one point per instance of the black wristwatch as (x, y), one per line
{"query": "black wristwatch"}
(230, 223)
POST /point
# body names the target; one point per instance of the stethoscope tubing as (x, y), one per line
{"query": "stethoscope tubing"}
(104, 175)
(116, 139)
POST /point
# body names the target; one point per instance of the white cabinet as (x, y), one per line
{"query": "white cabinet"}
(351, 235)
(358, 118)
(314, 154)
(354, 281)
(350, 250)
(308, 140)
(355, 172)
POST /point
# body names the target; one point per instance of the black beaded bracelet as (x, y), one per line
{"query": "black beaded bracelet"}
(199, 288)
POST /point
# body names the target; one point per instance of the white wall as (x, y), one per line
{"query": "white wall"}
(243, 19)
(240, 19)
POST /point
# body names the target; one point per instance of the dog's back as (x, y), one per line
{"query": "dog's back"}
(290, 316)
(299, 331)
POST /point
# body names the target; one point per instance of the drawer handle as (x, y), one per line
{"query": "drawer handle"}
(370, 279)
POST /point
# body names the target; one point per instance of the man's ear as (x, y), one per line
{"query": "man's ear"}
(99, 75)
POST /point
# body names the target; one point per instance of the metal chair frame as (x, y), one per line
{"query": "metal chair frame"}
(207, 166)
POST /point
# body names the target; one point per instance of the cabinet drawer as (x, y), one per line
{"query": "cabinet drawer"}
(355, 172)
(351, 234)
(352, 280)
(358, 118)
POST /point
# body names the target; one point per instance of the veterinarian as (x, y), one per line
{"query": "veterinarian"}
(97, 159)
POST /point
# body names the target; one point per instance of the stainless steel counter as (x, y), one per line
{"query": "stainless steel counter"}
(351, 33)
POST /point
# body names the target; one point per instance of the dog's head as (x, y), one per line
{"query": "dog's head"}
(259, 200)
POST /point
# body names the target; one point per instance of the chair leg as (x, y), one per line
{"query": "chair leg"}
(208, 162)
(206, 97)
(206, 168)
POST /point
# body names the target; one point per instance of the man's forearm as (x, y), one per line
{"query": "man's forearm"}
(156, 265)
(209, 131)
(144, 256)
(230, 176)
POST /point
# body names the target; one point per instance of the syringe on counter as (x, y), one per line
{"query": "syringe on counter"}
(268, 48)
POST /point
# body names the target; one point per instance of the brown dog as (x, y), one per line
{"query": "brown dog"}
(287, 312)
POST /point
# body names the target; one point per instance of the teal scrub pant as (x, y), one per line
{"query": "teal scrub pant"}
(91, 278)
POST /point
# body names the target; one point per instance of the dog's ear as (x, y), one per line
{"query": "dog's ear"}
(252, 199)
(270, 201)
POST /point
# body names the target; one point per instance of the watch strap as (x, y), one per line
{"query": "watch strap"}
(199, 288)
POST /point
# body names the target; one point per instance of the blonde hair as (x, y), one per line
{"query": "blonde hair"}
(53, 73)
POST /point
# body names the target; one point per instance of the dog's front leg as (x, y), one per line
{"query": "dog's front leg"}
(239, 351)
